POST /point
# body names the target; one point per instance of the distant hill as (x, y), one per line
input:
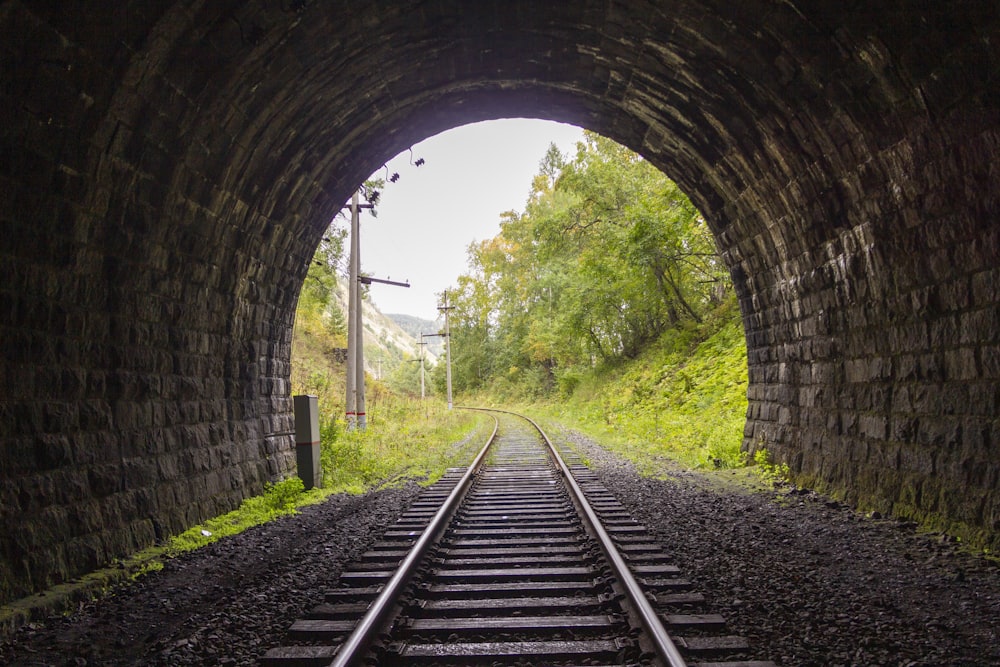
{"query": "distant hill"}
(319, 339)
(417, 325)
(387, 343)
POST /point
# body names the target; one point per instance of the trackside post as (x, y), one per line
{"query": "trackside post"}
(307, 440)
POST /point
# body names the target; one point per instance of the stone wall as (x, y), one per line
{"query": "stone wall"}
(145, 357)
(873, 353)
(168, 169)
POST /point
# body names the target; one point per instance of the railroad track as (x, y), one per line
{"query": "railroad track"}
(523, 559)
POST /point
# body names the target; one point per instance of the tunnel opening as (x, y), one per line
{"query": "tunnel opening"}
(590, 261)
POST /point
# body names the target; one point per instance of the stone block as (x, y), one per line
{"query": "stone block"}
(960, 364)
(991, 361)
(903, 428)
(985, 288)
(52, 451)
(874, 427)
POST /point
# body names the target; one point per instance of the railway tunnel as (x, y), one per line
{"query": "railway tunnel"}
(168, 168)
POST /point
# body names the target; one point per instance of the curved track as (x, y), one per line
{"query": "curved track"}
(521, 559)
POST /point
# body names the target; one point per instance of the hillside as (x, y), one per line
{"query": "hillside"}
(417, 325)
(684, 398)
(319, 340)
(387, 344)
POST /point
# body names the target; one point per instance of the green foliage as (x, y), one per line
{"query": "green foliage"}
(277, 500)
(284, 494)
(405, 378)
(768, 472)
(321, 279)
(336, 323)
(683, 399)
(146, 568)
(406, 439)
(607, 256)
(568, 380)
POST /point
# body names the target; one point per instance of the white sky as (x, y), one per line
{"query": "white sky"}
(428, 218)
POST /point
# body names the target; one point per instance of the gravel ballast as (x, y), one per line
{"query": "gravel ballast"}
(224, 604)
(807, 580)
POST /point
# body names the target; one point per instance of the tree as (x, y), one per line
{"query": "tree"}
(607, 255)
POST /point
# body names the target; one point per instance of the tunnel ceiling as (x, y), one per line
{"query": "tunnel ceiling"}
(170, 168)
(286, 105)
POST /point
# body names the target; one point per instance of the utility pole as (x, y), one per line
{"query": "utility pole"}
(351, 403)
(356, 416)
(447, 345)
(355, 403)
(423, 346)
(360, 348)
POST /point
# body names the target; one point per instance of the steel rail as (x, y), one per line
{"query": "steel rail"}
(360, 640)
(665, 647)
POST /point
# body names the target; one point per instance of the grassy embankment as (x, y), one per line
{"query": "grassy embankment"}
(683, 399)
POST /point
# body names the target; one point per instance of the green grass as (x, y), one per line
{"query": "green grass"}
(277, 500)
(683, 400)
(406, 439)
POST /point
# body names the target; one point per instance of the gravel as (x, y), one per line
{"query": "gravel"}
(225, 604)
(807, 580)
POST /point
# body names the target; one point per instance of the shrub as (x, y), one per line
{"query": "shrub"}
(284, 494)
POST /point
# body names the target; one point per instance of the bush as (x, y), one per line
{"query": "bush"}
(683, 399)
(769, 472)
(568, 381)
(406, 437)
(284, 494)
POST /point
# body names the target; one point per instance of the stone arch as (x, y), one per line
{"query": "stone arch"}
(170, 167)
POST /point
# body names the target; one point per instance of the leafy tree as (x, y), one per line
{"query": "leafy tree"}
(316, 297)
(607, 255)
